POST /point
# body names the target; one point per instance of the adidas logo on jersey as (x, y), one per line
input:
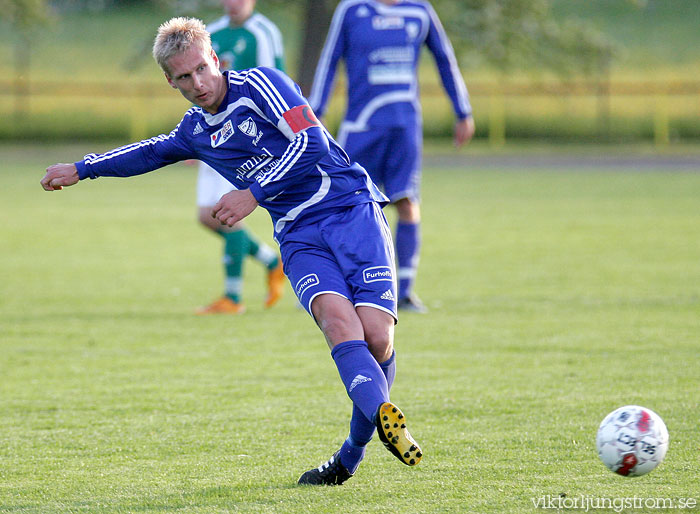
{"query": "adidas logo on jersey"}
(388, 295)
(197, 130)
(359, 379)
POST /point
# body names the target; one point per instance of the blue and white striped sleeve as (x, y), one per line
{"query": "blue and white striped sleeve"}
(136, 158)
(333, 50)
(439, 44)
(281, 101)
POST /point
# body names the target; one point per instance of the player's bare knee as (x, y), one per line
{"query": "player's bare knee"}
(336, 318)
(408, 210)
(381, 349)
(380, 340)
(337, 329)
(378, 329)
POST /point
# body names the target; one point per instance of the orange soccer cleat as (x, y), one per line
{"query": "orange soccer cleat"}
(275, 285)
(223, 305)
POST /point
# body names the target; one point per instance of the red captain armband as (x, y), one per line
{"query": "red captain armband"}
(300, 118)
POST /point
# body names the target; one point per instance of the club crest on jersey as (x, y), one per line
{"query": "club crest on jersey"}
(222, 135)
(377, 273)
(248, 127)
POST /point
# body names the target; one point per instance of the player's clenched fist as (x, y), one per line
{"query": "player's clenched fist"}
(234, 206)
(59, 175)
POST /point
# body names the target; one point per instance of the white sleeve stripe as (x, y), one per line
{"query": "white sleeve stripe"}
(273, 35)
(139, 144)
(129, 148)
(217, 25)
(267, 89)
(240, 78)
(326, 52)
(291, 160)
(273, 90)
(276, 107)
(274, 173)
(236, 77)
(265, 51)
(460, 86)
(265, 45)
(293, 154)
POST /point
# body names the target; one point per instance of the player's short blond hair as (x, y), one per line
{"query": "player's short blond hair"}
(177, 35)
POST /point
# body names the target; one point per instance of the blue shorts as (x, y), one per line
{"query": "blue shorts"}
(349, 253)
(392, 157)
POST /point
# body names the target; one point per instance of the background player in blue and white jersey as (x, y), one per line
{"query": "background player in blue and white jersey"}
(256, 129)
(380, 42)
(242, 39)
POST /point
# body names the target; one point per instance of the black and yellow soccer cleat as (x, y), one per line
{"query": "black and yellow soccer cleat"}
(329, 473)
(391, 427)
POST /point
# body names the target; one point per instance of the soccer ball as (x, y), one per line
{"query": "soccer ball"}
(632, 440)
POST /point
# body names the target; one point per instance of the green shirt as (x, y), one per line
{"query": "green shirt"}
(257, 42)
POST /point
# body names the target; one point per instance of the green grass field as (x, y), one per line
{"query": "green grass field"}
(556, 296)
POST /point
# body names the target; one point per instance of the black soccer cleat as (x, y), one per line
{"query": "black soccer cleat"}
(411, 303)
(391, 427)
(329, 473)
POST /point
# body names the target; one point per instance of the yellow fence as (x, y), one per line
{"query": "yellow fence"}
(601, 102)
(144, 106)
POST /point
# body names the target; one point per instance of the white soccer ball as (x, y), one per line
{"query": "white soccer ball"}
(632, 440)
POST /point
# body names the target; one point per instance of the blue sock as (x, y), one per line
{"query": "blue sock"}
(351, 455)
(389, 369)
(407, 255)
(361, 429)
(364, 380)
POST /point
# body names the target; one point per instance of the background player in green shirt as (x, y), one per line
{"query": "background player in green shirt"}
(242, 39)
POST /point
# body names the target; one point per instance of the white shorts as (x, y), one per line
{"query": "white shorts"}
(210, 186)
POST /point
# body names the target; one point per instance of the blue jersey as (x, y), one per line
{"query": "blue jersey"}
(264, 137)
(381, 45)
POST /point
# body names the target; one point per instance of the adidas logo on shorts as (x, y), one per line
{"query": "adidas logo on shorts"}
(388, 295)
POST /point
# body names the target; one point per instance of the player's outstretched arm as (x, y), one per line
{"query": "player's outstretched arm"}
(59, 175)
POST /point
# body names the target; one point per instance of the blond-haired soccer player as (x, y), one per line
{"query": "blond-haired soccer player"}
(256, 129)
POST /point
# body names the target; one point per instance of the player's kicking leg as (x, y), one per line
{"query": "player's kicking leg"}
(360, 333)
